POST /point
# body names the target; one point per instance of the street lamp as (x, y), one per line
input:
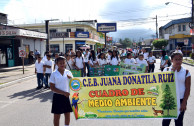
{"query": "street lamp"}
(176, 4)
(47, 31)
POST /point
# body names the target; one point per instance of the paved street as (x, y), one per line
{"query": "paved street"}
(22, 105)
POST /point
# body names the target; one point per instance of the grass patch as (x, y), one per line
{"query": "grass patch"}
(1, 83)
(190, 61)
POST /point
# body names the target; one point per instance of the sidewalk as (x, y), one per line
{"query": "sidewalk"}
(9, 74)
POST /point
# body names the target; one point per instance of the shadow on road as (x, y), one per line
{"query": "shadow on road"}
(43, 95)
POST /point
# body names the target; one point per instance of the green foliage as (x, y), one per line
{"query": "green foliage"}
(168, 101)
(125, 43)
(159, 43)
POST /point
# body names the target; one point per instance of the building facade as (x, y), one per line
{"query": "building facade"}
(176, 32)
(70, 35)
(11, 38)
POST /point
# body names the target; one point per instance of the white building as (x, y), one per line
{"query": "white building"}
(75, 34)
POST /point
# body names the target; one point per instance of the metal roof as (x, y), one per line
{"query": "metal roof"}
(177, 21)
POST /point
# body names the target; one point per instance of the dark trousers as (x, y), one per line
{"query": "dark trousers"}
(47, 76)
(40, 79)
(151, 68)
(87, 67)
(161, 69)
(178, 122)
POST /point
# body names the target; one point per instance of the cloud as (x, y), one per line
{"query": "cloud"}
(26, 11)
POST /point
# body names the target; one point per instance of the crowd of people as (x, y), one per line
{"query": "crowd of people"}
(60, 74)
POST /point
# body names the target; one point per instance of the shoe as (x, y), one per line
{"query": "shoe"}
(46, 87)
(38, 88)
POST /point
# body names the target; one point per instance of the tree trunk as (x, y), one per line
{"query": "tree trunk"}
(168, 112)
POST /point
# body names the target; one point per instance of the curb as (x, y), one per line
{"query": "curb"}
(188, 64)
(15, 81)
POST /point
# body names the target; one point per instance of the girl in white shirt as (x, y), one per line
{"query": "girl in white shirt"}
(109, 56)
(69, 62)
(164, 61)
(142, 61)
(151, 61)
(59, 84)
(183, 83)
(102, 60)
(129, 60)
(115, 60)
(92, 59)
(79, 62)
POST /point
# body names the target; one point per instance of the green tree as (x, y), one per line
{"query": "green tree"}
(125, 43)
(168, 101)
(160, 43)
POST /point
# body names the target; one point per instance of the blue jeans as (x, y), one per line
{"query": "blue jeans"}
(47, 76)
(40, 79)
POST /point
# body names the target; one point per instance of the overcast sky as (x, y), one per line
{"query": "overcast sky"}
(135, 18)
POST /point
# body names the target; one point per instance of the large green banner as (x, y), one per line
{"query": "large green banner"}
(151, 95)
(127, 69)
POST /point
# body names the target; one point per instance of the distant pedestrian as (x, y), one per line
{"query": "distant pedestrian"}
(39, 72)
(151, 61)
(129, 60)
(48, 70)
(79, 63)
(164, 60)
(59, 83)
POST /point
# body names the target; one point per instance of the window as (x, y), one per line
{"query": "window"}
(79, 30)
(179, 28)
(68, 47)
(91, 46)
(184, 27)
(54, 48)
(53, 30)
(68, 30)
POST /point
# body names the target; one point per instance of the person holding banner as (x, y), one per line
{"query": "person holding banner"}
(183, 83)
(151, 60)
(164, 60)
(141, 60)
(115, 60)
(109, 56)
(69, 62)
(92, 59)
(79, 62)
(129, 60)
(59, 84)
(102, 60)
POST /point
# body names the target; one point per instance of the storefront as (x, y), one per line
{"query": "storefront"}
(12, 39)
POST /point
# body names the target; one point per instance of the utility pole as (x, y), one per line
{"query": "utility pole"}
(156, 27)
(48, 33)
(192, 16)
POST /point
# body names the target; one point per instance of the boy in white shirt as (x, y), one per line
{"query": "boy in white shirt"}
(48, 69)
(39, 71)
(142, 61)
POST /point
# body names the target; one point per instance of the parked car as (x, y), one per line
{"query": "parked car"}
(157, 53)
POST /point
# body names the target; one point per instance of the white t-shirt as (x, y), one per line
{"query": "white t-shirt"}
(142, 62)
(61, 81)
(114, 61)
(180, 80)
(146, 55)
(44, 59)
(79, 62)
(70, 64)
(92, 62)
(151, 59)
(129, 61)
(86, 57)
(108, 58)
(123, 54)
(49, 63)
(102, 62)
(39, 67)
